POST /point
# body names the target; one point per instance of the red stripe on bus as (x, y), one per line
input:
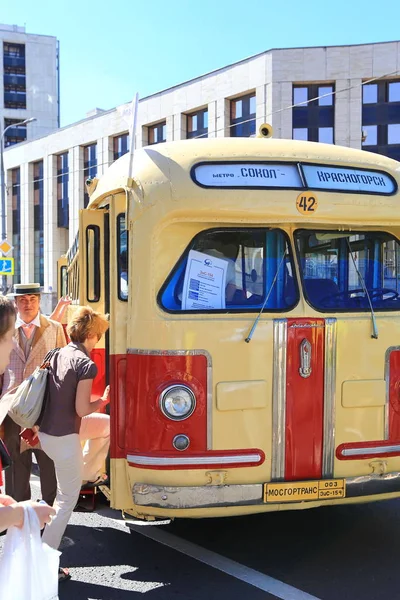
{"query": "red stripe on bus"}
(304, 401)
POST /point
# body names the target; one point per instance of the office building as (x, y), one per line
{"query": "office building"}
(346, 95)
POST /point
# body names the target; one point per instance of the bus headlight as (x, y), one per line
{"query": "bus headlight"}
(177, 402)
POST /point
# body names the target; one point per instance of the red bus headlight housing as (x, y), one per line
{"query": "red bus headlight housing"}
(177, 402)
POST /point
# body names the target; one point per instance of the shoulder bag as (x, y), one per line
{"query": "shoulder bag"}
(28, 399)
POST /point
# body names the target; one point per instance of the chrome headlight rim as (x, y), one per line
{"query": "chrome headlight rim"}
(166, 391)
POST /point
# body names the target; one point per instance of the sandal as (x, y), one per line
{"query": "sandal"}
(101, 480)
(63, 574)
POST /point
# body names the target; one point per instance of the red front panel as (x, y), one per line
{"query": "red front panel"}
(147, 429)
(304, 401)
(394, 396)
(98, 356)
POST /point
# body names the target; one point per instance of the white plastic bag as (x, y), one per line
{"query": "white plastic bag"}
(28, 568)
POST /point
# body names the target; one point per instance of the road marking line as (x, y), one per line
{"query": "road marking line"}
(226, 565)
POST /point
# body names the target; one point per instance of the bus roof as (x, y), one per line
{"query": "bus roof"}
(168, 165)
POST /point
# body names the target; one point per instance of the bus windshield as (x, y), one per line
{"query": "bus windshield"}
(340, 270)
(258, 273)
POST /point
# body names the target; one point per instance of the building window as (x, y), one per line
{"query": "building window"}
(120, 145)
(370, 133)
(243, 116)
(313, 120)
(300, 133)
(38, 217)
(16, 222)
(157, 133)
(14, 80)
(197, 124)
(370, 93)
(62, 190)
(14, 135)
(89, 168)
(325, 135)
(381, 118)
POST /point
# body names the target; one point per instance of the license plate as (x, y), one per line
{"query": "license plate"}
(300, 491)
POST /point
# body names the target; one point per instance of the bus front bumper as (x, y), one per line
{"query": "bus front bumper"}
(156, 496)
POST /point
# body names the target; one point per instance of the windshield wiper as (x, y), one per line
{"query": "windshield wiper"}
(362, 281)
(248, 339)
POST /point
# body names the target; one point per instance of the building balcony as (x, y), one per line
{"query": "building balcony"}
(16, 132)
(14, 61)
(14, 99)
(15, 81)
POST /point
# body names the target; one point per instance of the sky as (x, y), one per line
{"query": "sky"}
(111, 49)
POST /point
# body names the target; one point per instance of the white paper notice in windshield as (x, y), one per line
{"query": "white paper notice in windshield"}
(204, 283)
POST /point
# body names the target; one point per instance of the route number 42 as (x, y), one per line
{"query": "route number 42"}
(306, 203)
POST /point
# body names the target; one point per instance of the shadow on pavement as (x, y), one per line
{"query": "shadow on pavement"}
(106, 564)
(112, 564)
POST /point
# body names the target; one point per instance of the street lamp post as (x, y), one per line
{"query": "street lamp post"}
(3, 187)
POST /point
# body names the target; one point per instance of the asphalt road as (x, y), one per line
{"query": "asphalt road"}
(332, 553)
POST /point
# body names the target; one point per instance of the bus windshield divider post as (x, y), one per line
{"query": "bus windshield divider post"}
(248, 339)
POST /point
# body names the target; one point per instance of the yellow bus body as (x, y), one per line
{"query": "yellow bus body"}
(246, 398)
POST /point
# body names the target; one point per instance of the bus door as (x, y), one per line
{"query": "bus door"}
(119, 310)
(94, 281)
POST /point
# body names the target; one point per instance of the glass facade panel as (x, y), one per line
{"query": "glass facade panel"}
(327, 96)
(14, 80)
(301, 133)
(394, 91)
(89, 168)
(120, 145)
(197, 124)
(371, 132)
(325, 135)
(38, 219)
(394, 133)
(62, 190)
(157, 133)
(16, 222)
(14, 135)
(243, 116)
(300, 95)
(370, 93)
(313, 120)
(381, 118)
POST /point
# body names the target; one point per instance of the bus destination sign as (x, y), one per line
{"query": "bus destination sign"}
(348, 180)
(292, 176)
(247, 175)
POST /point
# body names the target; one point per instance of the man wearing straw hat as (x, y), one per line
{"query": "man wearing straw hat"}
(35, 335)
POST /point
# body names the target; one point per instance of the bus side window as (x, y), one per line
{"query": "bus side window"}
(93, 263)
(122, 257)
(64, 281)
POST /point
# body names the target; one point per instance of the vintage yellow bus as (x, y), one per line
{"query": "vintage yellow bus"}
(254, 346)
